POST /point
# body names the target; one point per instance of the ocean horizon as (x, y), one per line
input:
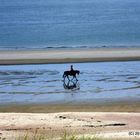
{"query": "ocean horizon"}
(45, 24)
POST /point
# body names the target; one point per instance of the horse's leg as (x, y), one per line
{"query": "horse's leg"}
(68, 77)
(64, 76)
(76, 78)
(72, 78)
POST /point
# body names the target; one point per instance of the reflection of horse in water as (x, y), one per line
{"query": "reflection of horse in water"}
(71, 73)
(71, 85)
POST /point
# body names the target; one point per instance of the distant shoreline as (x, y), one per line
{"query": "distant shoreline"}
(68, 56)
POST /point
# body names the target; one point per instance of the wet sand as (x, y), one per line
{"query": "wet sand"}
(98, 82)
(67, 56)
(118, 106)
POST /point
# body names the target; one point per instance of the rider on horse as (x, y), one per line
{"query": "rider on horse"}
(71, 68)
(72, 72)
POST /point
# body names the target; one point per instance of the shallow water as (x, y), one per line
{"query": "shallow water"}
(29, 24)
(106, 81)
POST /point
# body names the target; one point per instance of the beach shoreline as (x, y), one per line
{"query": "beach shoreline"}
(112, 106)
(107, 119)
(69, 56)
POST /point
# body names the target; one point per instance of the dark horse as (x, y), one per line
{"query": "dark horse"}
(71, 73)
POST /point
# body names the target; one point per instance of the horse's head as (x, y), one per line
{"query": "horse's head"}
(78, 72)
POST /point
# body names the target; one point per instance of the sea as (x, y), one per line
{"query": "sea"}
(45, 24)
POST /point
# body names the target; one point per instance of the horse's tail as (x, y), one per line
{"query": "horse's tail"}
(63, 75)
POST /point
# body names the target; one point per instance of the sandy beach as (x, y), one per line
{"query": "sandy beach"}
(105, 125)
(67, 56)
(118, 120)
(114, 120)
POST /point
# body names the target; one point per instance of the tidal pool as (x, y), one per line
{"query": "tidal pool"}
(98, 82)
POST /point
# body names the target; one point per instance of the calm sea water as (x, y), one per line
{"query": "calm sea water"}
(98, 82)
(41, 24)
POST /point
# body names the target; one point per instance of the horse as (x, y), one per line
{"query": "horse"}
(71, 73)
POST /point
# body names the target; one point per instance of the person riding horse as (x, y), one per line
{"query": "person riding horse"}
(71, 68)
(72, 72)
